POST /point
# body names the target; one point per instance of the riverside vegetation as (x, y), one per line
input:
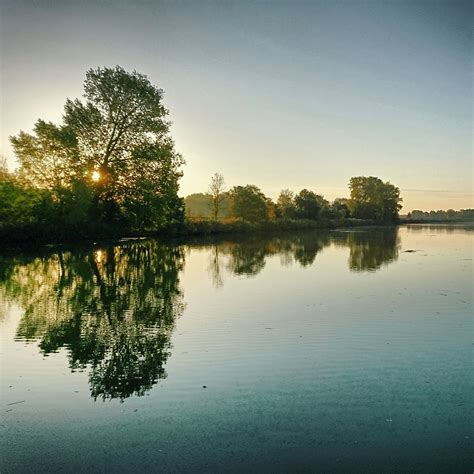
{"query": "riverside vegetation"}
(110, 169)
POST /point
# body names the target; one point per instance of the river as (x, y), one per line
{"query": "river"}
(342, 351)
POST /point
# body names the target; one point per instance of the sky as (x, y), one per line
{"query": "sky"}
(296, 94)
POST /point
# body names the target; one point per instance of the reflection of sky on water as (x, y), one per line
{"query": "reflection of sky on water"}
(315, 349)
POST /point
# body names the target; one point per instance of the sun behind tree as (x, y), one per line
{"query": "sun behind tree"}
(117, 143)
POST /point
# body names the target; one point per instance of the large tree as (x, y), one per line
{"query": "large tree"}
(117, 141)
(371, 198)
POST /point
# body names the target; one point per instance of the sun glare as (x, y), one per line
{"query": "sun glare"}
(95, 176)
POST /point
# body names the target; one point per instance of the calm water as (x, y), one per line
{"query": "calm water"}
(338, 352)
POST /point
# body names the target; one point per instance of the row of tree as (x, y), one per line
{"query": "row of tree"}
(370, 198)
(449, 215)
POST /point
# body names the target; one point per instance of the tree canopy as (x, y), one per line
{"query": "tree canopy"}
(285, 205)
(371, 198)
(309, 204)
(115, 142)
(248, 203)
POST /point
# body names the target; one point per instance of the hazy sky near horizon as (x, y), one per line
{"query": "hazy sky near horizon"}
(278, 94)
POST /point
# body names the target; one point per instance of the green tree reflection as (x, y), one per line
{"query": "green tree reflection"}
(112, 308)
(247, 256)
(368, 251)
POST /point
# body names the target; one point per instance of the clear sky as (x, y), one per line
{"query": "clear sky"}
(279, 94)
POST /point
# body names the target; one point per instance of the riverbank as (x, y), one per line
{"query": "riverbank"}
(191, 228)
(208, 227)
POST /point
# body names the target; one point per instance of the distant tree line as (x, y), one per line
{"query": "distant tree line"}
(449, 215)
(370, 199)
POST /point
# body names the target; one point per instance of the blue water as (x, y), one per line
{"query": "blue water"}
(348, 351)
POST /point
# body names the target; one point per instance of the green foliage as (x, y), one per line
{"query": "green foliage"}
(248, 203)
(111, 166)
(122, 132)
(285, 205)
(309, 204)
(340, 208)
(371, 198)
(372, 201)
(23, 209)
(150, 199)
(47, 157)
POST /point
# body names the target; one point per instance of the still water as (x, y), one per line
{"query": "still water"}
(348, 351)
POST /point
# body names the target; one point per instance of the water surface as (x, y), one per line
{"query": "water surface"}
(348, 351)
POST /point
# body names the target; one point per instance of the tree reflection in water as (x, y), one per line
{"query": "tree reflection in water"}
(114, 308)
(368, 251)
